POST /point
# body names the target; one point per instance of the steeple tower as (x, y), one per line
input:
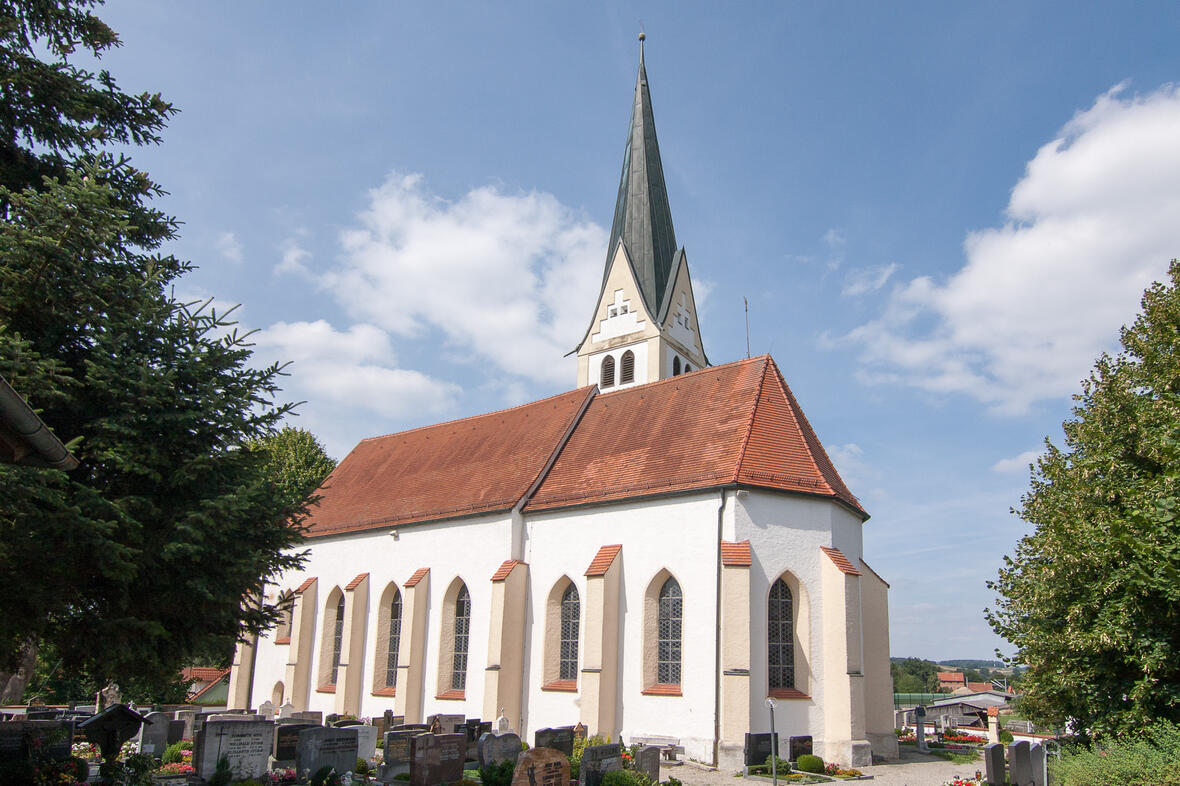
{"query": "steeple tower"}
(645, 327)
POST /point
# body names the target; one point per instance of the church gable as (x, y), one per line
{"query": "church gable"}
(621, 316)
(679, 316)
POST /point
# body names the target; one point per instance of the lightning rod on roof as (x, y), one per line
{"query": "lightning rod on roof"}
(747, 302)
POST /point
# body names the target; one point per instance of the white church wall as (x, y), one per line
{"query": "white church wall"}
(270, 662)
(676, 533)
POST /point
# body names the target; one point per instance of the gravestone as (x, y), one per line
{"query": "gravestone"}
(1040, 767)
(418, 727)
(153, 735)
(1019, 764)
(286, 710)
(759, 747)
(392, 720)
(246, 743)
(287, 742)
(188, 718)
(316, 717)
(325, 746)
(647, 761)
(110, 728)
(559, 739)
(175, 731)
(366, 741)
(542, 767)
(993, 762)
(436, 758)
(597, 760)
(51, 736)
(344, 723)
(798, 746)
(450, 723)
(495, 748)
(397, 754)
(266, 709)
(580, 731)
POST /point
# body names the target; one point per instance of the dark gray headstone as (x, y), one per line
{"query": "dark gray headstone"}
(559, 739)
(1040, 767)
(188, 717)
(397, 752)
(175, 731)
(316, 717)
(51, 736)
(1019, 764)
(647, 761)
(758, 748)
(495, 748)
(437, 758)
(451, 724)
(287, 741)
(346, 722)
(246, 743)
(419, 727)
(153, 736)
(470, 729)
(993, 762)
(798, 746)
(541, 767)
(326, 747)
(597, 760)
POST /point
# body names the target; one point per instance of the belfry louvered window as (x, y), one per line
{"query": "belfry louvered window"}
(571, 609)
(462, 631)
(668, 641)
(780, 638)
(395, 638)
(608, 372)
(337, 639)
(627, 368)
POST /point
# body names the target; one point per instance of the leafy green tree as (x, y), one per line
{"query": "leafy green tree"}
(1091, 599)
(296, 462)
(138, 561)
(914, 675)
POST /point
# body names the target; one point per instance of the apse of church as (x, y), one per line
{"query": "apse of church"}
(558, 563)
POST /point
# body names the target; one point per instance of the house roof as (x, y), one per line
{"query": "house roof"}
(481, 464)
(736, 424)
(730, 425)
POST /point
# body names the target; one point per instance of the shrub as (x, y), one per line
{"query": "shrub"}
(81, 769)
(497, 774)
(623, 778)
(362, 766)
(810, 763)
(174, 753)
(1005, 736)
(1150, 757)
(402, 776)
(326, 776)
(673, 782)
(221, 775)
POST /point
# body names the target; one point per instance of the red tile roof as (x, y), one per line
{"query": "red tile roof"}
(957, 677)
(736, 554)
(419, 574)
(202, 673)
(603, 559)
(357, 581)
(725, 425)
(305, 586)
(841, 561)
(476, 465)
(505, 570)
(980, 687)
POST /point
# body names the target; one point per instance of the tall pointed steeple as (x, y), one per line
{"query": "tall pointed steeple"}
(643, 219)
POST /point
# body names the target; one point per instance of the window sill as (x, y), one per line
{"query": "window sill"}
(326, 689)
(452, 695)
(566, 686)
(788, 693)
(662, 689)
(284, 640)
(385, 691)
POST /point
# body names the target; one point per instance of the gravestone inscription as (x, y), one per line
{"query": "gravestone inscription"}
(436, 758)
(245, 743)
(758, 748)
(449, 723)
(541, 767)
(559, 739)
(495, 748)
(597, 760)
(287, 742)
(397, 753)
(325, 746)
(799, 746)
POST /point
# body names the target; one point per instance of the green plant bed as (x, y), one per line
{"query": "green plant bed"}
(957, 757)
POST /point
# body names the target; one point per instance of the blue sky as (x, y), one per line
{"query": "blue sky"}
(940, 214)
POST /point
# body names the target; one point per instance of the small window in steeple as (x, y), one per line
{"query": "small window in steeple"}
(627, 372)
(687, 368)
(676, 366)
(608, 372)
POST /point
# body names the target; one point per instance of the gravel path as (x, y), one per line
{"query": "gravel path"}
(914, 769)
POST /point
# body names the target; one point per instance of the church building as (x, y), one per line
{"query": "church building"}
(654, 553)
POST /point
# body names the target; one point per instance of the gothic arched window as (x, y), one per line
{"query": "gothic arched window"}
(571, 608)
(780, 642)
(668, 633)
(337, 639)
(608, 372)
(627, 368)
(462, 632)
(394, 639)
(675, 366)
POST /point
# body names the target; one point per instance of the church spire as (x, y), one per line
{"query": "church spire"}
(643, 220)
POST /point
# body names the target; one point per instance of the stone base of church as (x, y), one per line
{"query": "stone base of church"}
(731, 756)
(850, 753)
(884, 745)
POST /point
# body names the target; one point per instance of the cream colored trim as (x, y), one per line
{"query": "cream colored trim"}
(299, 653)
(352, 649)
(446, 640)
(651, 626)
(878, 679)
(503, 678)
(381, 643)
(600, 651)
(551, 670)
(324, 675)
(411, 687)
(800, 632)
(241, 674)
(734, 675)
(843, 696)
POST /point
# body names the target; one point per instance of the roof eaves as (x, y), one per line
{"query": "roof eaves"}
(356, 582)
(736, 555)
(603, 559)
(417, 577)
(839, 560)
(505, 570)
(305, 586)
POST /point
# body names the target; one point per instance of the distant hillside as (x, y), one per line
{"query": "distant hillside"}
(973, 664)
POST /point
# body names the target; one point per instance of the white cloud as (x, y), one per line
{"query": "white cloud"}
(834, 238)
(867, 279)
(1014, 464)
(350, 369)
(229, 246)
(293, 257)
(507, 278)
(1090, 225)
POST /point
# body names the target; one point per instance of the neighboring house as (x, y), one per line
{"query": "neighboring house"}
(950, 680)
(656, 552)
(24, 437)
(210, 686)
(969, 709)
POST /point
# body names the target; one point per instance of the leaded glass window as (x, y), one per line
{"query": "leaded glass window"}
(780, 637)
(462, 630)
(395, 638)
(337, 639)
(570, 612)
(668, 642)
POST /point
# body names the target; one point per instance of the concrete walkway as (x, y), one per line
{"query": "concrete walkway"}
(914, 769)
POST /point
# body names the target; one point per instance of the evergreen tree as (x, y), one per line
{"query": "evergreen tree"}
(139, 560)
(1091, 599)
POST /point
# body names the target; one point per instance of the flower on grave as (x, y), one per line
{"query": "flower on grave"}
(176, 768)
